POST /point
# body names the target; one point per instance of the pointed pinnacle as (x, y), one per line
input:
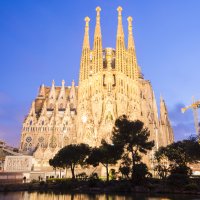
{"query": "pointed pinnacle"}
(98, 9)
(63, 82)
(119, 9)
(129, 19)
(87, 19)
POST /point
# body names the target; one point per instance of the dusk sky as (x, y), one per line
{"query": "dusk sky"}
(41, 40)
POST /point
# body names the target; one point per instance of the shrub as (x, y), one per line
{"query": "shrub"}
(191, 187)
(82, 176)
(178, 180)
(140, 173)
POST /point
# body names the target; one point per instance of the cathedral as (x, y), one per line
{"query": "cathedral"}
(111, 84)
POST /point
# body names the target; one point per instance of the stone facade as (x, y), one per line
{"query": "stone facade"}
(110, 85)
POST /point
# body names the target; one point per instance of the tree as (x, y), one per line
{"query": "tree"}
(52, 162)
(125, 166)
(140, 173)
(72, 155)
(133, 137)
(162, 166)
(179, 155)
(105, 154)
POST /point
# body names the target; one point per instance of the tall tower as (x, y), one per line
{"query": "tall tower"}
(110, 85)
(85, 57)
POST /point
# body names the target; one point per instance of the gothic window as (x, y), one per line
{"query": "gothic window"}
(41, 139)
(53, 142)
(114, 78)
(31, 122)
(28, 139)
(25, 145)
(104, 80)
(42, 122)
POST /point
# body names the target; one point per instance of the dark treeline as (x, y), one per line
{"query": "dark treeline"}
(129, 142)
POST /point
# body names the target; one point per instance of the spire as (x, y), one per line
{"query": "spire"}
(163, 111)
(97, 47)
(98, 26)
(44, 109)
(52, 91)
(120, 31)
(133, 69)
(86, 41)
(32, 110)
(167, 131)
(85, 58)
(62, 96)
(72, 95)
(120, 44)
(41, 91)
(130, 33)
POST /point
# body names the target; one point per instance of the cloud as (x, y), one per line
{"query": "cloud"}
(183, 124)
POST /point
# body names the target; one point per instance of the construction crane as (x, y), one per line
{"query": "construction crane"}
(194, 106)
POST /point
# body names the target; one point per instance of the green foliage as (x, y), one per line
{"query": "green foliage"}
(177, 180)
(162, 170)
(133, 138)
(94, 176)
(82, 176)
(105, 154)
(140, 173)
(70, 156)
(179, 154)
(181, 169)
(125, 168)
(179, 175)
(191, 187)
(113, 174)
(93, 180)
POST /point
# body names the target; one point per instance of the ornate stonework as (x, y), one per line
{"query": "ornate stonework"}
(110, 84)
(18, 163)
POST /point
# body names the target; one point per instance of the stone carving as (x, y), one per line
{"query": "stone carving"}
(110, 85)
(18, 163)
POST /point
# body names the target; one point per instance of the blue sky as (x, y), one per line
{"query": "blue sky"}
(41, 40)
